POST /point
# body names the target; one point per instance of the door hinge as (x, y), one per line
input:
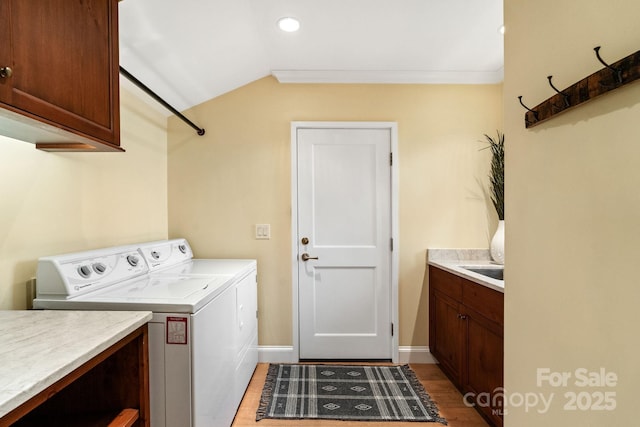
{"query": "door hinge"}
(392, 329)
(390, 159)
(391, 244)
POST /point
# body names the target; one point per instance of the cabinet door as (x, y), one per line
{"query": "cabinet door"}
(483, 366)
(445, 342)
(5, 50)
(65, 64)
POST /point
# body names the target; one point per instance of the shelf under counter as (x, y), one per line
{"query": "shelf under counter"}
(74, 365)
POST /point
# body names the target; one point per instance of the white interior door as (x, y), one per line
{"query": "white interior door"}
(344, 227)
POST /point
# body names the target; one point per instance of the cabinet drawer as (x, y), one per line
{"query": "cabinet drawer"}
(445, 282)
(483, 300)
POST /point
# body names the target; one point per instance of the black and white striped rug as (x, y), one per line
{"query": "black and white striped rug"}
(345, 392)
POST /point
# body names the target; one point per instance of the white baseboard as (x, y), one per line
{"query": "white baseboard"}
(276, 354)
(284, 354)
(415, 354)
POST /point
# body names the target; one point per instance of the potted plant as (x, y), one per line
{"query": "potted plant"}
(496, 188)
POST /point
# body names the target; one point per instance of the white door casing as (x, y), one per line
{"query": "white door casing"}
(344, 202)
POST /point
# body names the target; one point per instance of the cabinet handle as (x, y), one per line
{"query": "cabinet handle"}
(462, 316)
(5, 72)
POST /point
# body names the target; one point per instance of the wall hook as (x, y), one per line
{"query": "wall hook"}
(615, 70)
(604, 80)
(535, 113)
(564, 95)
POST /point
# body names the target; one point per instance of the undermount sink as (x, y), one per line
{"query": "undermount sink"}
(493, 272)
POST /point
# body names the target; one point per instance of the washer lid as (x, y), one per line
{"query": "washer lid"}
(159, 289)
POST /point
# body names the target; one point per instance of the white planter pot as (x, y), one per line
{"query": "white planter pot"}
(497, 244)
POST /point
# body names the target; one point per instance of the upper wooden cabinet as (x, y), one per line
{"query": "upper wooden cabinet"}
(62, 90)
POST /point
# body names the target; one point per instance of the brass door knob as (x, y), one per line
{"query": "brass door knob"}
(306, 257)
(5, 72)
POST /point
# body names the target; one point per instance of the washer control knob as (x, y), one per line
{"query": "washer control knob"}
(99, 268)
(183, 248)
(155, 254)
(84, 271)
(133, 260)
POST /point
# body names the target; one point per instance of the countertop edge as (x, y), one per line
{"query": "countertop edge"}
(18, 397)
(454, 268)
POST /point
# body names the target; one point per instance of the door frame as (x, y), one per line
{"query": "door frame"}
(393, 127)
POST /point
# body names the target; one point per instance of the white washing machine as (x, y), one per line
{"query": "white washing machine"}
(194, 347)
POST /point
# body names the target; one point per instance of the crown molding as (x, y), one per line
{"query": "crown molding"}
(389, 77)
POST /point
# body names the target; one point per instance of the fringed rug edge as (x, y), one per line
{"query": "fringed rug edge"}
(267, 391)
(431, 406)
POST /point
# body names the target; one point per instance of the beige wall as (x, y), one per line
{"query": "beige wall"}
(572, 212)
(238, 175)
(51, 203)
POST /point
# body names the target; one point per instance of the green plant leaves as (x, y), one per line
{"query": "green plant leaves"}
(496, 174)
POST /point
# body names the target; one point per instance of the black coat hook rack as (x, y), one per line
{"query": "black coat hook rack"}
(611, 77)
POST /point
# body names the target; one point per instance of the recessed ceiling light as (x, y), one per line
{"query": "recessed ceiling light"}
(289, 24)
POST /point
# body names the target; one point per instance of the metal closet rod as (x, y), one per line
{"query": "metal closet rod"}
(164, 103)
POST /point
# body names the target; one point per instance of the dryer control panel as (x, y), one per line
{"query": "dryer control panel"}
(166, 253)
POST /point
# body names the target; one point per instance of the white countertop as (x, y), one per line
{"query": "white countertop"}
(452, 261)
(37, 348)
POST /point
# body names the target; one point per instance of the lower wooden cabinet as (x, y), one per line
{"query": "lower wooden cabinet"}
(447, 337)
(466, 327)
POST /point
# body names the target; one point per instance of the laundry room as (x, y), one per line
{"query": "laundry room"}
(225, 176)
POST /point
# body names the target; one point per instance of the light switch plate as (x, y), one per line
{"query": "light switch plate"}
(263, 231)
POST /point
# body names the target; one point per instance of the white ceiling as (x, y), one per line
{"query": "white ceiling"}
(190, 51)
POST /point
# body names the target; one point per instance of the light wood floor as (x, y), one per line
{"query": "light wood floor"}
(442, 392)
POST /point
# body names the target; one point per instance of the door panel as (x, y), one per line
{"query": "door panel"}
(354, 311)
(340, 173)
(344, 210)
